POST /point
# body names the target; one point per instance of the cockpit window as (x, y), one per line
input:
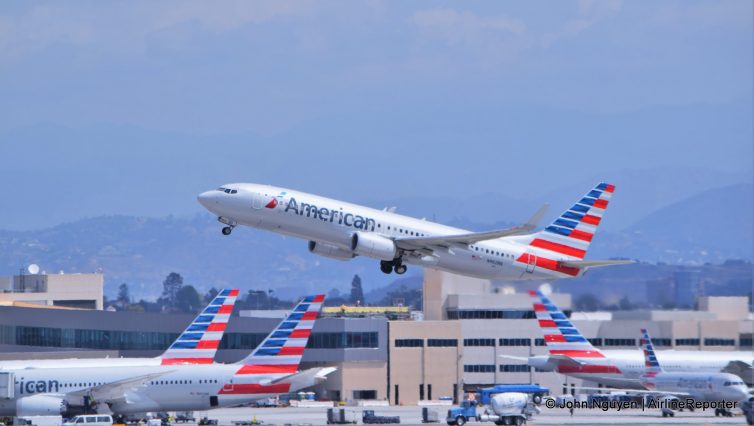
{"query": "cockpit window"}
(221, 189)
(227, 190)
(233, 191)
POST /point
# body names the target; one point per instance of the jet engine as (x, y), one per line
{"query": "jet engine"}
(373, 245)
(331, 251)
(41, 405)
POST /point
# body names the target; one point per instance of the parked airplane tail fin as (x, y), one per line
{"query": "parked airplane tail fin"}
(199, 342)
(282, 350)
(560, 335)
(569, 236)
(650, 359)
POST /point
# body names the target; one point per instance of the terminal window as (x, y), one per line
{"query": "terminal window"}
(515, 342)
(514, 368)
(687, 342)
(442, 342)
(478, 368)
(365, 394)
(479, 342)
(539, 342)
(620, 342)
(409, 343)
(719, 342)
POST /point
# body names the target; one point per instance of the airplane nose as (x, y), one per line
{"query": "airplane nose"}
(205, 198)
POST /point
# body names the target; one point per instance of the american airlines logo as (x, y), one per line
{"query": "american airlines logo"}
(330, 215)
(38, 386)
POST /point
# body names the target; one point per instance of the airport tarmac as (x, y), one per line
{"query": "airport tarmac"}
(412, 416)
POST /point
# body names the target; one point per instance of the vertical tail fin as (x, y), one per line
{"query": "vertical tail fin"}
(561, 337)
(650, 359)
(570, 234)
(282, 350)
(199, 342)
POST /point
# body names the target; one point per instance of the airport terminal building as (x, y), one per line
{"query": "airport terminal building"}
(468, 326)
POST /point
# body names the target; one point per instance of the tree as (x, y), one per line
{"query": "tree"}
(173, 282)
(624, 304)
(211, 294)
(124, 298)
(357, 293)
(188, 300)
(587, 302)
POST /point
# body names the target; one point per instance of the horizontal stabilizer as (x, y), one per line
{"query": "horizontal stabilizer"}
(566, 360)
(594, 263)
(517, 358)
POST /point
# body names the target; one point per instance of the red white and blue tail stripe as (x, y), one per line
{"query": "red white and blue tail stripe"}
(569, 236)
(282, 350)
(650, 358)
(561, 337)
(199, 342)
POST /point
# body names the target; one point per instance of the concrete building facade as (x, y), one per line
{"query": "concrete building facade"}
(82, 291)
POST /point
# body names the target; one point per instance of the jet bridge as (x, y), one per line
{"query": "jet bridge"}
(7, 385)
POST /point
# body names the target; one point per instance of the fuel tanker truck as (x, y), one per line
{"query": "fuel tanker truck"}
(502, 404)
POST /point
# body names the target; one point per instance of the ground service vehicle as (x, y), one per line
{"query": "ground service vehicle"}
(368, 417)
(502, 404)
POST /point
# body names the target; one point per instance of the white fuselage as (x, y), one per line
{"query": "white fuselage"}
(78, 362)
(333, 223)
(177, 388)
(630, 365)
(700, 386)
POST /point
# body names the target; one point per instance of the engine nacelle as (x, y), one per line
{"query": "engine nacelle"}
(331, 251)
(41, 405)
(373, 245)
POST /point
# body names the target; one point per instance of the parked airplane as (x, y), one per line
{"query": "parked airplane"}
(271, 369)
(342, 231)
(570, 353)
(699, 386)
(208, 326)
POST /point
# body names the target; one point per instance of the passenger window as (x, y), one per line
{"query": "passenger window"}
(91, 419)
(104, 419)
(80, 420)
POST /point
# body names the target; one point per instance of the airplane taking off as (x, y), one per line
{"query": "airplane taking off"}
(208, 327)
(270, 370)
(570, 353)
(342, 231)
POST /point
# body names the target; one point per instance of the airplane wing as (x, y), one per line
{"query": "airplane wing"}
(117, 389)
(594, 263)
(415, 243)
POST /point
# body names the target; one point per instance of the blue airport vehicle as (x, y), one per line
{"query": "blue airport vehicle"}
(503, 404)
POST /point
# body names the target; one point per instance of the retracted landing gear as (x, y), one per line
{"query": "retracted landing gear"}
(396, 265)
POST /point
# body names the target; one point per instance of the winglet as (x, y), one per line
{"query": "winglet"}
(536, 217)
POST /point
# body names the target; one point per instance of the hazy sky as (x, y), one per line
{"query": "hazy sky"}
(373, 96)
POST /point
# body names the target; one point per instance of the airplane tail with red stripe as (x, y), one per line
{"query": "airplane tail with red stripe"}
(569, 236)
(561, 337)
(199, 342)
(282, 350)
